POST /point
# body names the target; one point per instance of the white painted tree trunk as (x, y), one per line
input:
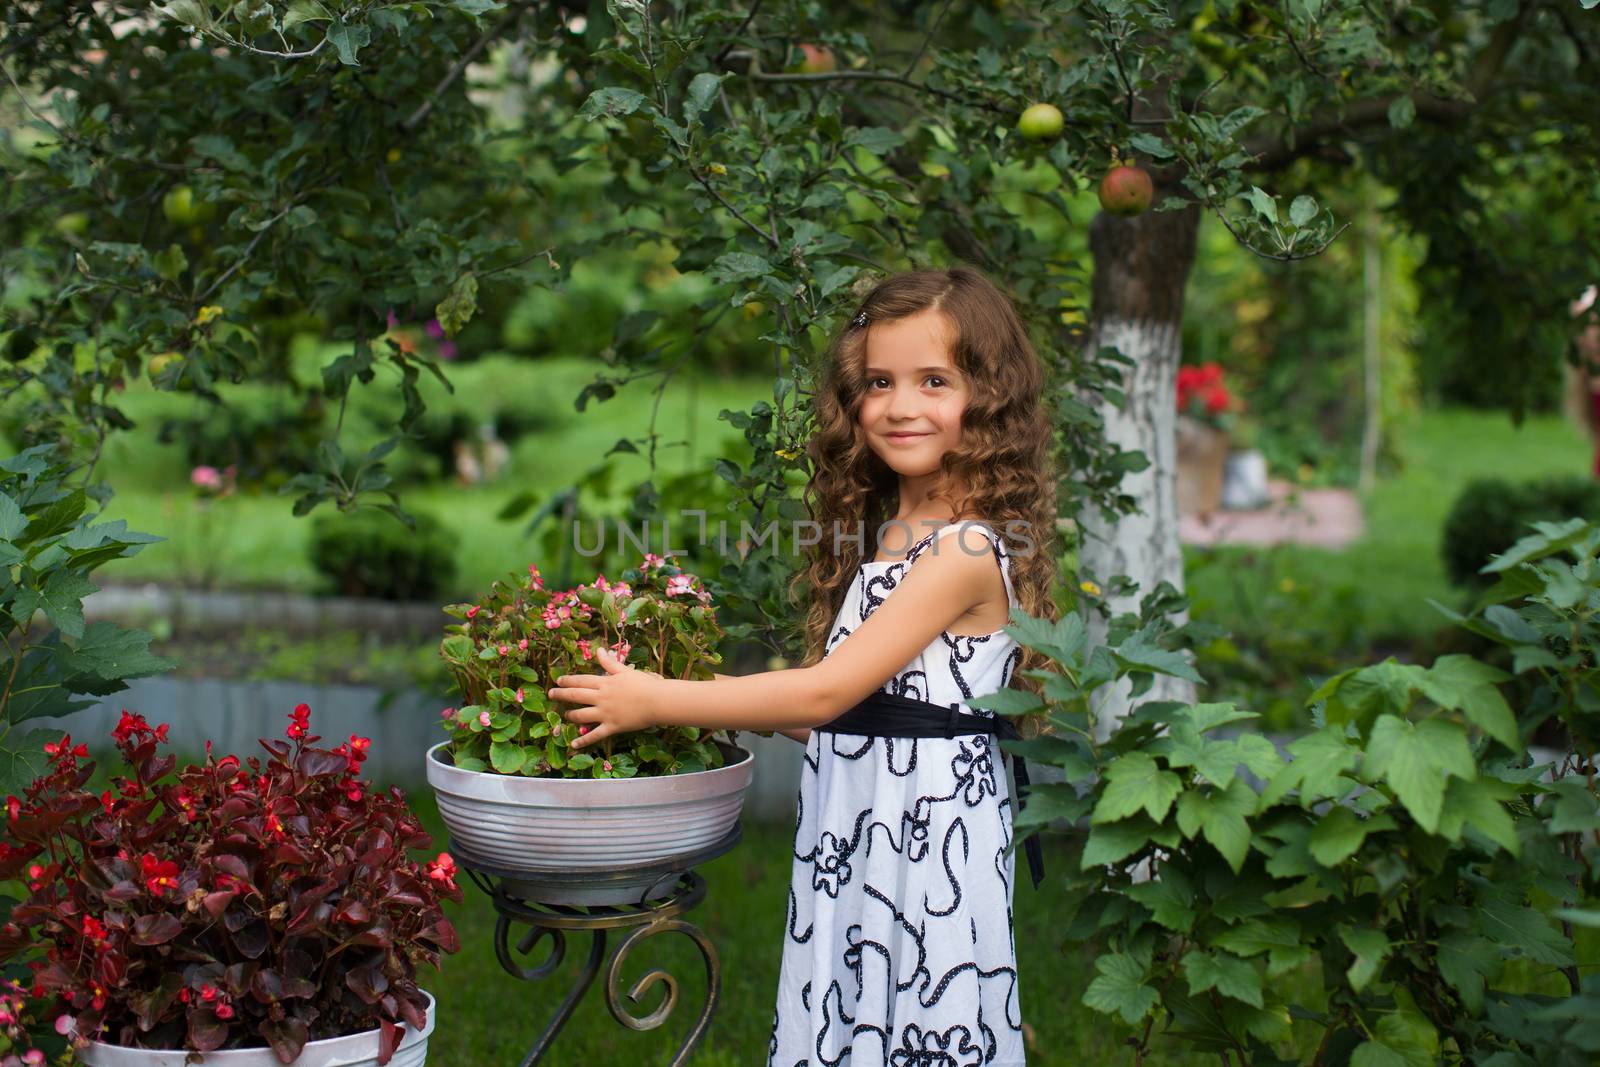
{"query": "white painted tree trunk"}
(1143, 545)
(1141, 268)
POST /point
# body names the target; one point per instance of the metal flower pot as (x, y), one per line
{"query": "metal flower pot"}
(583, 840)
(352, 1050)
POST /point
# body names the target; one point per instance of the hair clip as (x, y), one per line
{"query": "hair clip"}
(859, 320)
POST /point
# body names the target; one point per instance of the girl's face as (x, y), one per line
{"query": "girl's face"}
(911, 410)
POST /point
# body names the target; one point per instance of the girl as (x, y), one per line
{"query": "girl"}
(898, 948)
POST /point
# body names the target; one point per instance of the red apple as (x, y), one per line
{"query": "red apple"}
(818, 59)
(1126, 190)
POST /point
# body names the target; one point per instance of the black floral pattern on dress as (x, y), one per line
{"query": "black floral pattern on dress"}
(898, 944)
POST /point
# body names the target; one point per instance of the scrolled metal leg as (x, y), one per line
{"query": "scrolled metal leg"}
(502, 950)
(643, 985)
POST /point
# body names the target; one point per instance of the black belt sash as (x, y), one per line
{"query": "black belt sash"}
(887, 715)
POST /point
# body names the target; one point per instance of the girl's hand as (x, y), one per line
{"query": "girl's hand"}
(618, 702)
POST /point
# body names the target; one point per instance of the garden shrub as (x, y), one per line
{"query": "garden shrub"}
(1403, 886)
(1491, 514)
(369, 553)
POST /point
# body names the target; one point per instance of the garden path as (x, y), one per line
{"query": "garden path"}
(1327, 518)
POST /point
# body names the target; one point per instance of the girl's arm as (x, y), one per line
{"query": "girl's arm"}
(935, 591)
(800, 733)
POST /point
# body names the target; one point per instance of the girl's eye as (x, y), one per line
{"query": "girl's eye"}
(935, 378)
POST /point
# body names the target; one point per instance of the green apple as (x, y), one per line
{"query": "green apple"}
(1041, 122)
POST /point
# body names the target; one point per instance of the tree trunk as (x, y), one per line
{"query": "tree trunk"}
(1141, 266)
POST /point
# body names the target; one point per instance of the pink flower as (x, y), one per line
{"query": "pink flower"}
(582, 730)
(583, 649)
(522, 646)
(208, 478)
(519, 696)
(606, 764)
(504, 649)
(483, 718)
(435, 331)
(533, 574)
(448, 713)
(472, 612)
(393, 321)
(680, 583)
(652, 561)
(447, 350)
(621, 649)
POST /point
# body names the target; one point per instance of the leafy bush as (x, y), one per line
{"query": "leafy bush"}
(1408, 844)
(232, 905)
(49, 545)
(511, 647)
(1491, 514)
(369, 553)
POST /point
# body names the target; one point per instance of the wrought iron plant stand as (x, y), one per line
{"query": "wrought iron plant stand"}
(639, 921)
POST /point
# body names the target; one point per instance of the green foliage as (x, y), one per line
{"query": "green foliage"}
(50, 542)
(511, 646)
(1491, 514)
(1408, 845)
(372, 554)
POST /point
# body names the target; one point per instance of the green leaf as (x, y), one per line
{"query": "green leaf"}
(298, 11)
(1402, 110)
(1140, 653)
(1480, 804)
(1120, 988)
(1466, 962)
(612, 100)
(1370, 947)
(731, 267)
(1416, 760)
(22, 759)
(172, 263)
(1264, 205)
(1275, 935)
(702, 90)
(1397, 1045)
(1228, 975)
(506, 757)
(61, 599)
(349, 39)
(1317, 770)
(12, 520)
(1111, 842)
(1302, 211)
(1220, 815)
(1463, 684)
(1524, 931)
(459, 305)
(1133, 782)
(1339, 834)
(1168, 895)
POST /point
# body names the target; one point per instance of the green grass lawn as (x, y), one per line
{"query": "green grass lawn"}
(1395, 567)
(254, 540)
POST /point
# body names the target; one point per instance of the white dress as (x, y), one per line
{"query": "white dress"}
(898, 949)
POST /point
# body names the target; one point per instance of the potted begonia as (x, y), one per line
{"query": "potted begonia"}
(1204, 410)
(244, 913)
(513, 794)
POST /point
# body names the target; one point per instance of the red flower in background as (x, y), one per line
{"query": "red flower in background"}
(1202, 392)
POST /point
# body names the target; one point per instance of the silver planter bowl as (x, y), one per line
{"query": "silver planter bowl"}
(352, 1050)
(584, 840)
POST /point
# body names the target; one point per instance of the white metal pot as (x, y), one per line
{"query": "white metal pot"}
(586, 840)
(1244, 481)
(351, 1050)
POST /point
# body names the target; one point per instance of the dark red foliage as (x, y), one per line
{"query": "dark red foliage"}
(226, 905)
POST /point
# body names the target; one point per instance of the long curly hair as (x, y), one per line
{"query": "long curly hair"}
(1003, 473)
